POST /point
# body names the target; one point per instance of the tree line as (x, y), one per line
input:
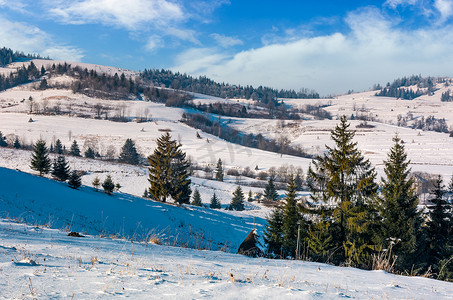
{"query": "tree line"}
(204, 85)
(8, 56)
(351, 219)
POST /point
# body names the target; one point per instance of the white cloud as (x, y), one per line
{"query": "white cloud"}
(445, 8)
(130, 14)
(31, 39)
(395, 3)
(154, 43)
(226, 41)
(374, 51)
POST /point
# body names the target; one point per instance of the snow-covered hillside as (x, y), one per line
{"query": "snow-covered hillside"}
(41, 263)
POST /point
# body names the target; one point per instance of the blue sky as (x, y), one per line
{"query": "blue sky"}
(330, 46)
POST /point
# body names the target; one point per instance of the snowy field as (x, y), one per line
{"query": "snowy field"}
(41, 263)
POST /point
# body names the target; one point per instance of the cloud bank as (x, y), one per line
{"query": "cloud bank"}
(375, 50)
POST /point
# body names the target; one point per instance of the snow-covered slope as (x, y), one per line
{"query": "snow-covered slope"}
(42, 263)
(42, 201)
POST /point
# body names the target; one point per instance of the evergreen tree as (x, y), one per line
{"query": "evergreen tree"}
(3, 142)
(397, 207)
(17, 144)
(58, 147)
(270, 193)
(108, 185)
(343, 181)
(438, 226)
(74, 180)
(60, 169)
(196, 198)
(96, 182)
(291, 220)
(215, 203)
(40, 159)
(298, 181)
(273, 232)
(129, 153)
(118, 186)
(75, 151)
(219, 171)
(169, 172)
(89, 153)
(250, 197)
(237, 203)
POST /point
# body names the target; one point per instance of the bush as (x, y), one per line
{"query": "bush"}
(233, 172)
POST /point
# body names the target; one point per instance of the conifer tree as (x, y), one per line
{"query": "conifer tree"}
(74, 180)
(343, 181)
(196, 198)
(129, 154)
(215, 203)
(237, 203)
(96, 182)
(273, 233)
(75, 151)
(270, 193)
(169, 172)
(3, 142)
(219, 171)
(250, 197)
(40, 159)
(89, 153)
(397, 207)
(58, 147)
(108, 185)
(438, 224)
(60, 169)
(17, 144)
(291, 220)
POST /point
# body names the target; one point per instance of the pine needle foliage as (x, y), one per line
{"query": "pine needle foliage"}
(74, 180)
(129, 154)
(342, 182)
(196, 198)
(40, 158)
(237, 203)
(215, 203)
(169, 172)
(270, 193)
(397, 206)
(219, 171)
(74, 151)
(60, 169)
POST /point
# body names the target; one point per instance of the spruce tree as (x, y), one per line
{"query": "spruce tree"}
(169, 172)
(74, 151)
(129, 154)
(273, 232)
(438, 227)
(74, 180)
(219, 171)
(58, 147)
(60, 169)
(215, 203)
(237, 203)
(40, 159)
(89, 153)
(291, 220)
(108, 185)
(270, 193)
(397, 207)
(17, 144)
(196, 198)
(3, 142)
(343, 182)
(250, 197)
